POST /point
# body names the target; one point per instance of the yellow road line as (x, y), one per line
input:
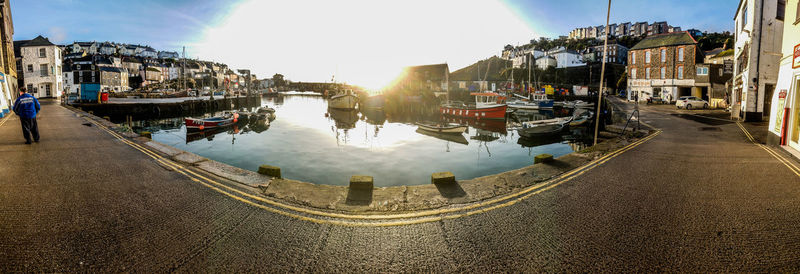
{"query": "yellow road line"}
(374, 217)
(562, 179)
(11, 113)
(788, 163)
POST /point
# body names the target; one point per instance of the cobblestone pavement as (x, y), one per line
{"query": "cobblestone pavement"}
(698, 197)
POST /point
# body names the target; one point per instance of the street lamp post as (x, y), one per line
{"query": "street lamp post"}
(602, 75)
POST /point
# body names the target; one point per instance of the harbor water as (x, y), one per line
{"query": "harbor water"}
(313, 143)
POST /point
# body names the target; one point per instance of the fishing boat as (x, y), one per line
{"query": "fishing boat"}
(343, 100)
(581, 118)
(538, 101)
(212, 122)
(448, 128)
(455, 138)
(546, 130)
(488, 105)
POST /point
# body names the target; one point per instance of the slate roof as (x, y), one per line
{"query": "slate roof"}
(477, 71)
(429, 72)
(38, 41)
(667, 39)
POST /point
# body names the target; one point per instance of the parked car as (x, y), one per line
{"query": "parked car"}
(690, 102)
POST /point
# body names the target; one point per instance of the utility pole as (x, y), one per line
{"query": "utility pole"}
(602, 75)
(183, 70)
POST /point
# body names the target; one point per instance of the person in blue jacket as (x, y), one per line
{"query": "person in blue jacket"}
(26, 108)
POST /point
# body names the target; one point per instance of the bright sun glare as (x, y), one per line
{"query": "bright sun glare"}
(360, 42)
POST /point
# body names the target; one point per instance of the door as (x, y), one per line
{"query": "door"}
(794, 116)
(769, 90)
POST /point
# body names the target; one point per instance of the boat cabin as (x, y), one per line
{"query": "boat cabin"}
(488, 99)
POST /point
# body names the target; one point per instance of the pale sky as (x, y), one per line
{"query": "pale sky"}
(362, 42)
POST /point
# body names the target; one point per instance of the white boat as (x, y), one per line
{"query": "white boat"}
(553, 121)
(344, 100)
(449, 128)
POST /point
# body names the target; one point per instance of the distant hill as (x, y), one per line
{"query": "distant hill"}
(477, 71)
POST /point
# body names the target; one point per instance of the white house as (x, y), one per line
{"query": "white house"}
(546, 62)
(168, 54)
(759, 34)
(567, 58)
(87, 47)
(107, 48)
(41, 67)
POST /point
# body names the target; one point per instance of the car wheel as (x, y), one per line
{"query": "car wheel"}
(688, 106)
(705, 106)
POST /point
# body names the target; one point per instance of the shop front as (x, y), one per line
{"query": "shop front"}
(784, 126)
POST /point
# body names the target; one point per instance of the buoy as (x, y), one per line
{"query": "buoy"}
(235, 120)
(202, 127)
(235, 116)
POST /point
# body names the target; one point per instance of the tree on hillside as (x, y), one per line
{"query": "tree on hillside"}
(710, 41)
(278, 80)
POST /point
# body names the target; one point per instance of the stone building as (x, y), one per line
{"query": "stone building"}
(41, 67)
(664, 66)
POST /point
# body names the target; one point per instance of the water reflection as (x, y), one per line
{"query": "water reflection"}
(320, 145)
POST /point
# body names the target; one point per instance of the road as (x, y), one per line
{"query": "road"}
(698, 197)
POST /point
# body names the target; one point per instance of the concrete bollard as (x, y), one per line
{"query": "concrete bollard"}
(361, 182)
(271, 171)
(443, 178)
(543, 158)
(146, 134)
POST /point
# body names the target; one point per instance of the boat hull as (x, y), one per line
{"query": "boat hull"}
(498, 112)
(201, 124)
(347, 101)
(445, 130)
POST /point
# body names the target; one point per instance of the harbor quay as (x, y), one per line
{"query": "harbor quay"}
(232, 222)
(143, 108)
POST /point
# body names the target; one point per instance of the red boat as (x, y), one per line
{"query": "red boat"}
(488, 105)
(210, 123)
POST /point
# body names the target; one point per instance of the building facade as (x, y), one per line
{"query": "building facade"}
(759, 34)
(8, 65)
(41, 64)
(664, 66)
(784, 125)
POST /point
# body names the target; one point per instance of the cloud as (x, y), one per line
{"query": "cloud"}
(57, 34)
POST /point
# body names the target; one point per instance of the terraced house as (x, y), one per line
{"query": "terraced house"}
(665, 66)
(41, 67)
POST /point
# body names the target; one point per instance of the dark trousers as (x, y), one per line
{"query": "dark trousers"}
(29, 127)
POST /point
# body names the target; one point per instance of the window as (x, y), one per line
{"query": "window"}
(680, 72)
(42, 53)
(633, 58)
(781, 11)
(43, 70)
(647, 57)
(720, 70)
(744, 16)
(702, 71)
(647, 73)
(633, 73)
(30, 88)
(663, 72)
(797, 14)
(680, 54)
(663, 55)
(30, 68)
